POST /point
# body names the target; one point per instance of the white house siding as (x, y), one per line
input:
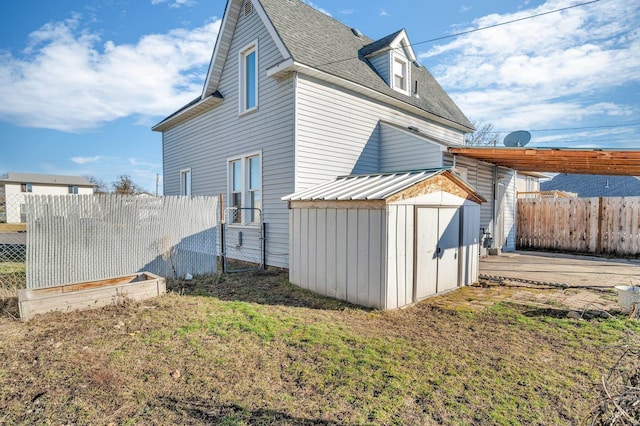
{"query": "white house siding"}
(14, 196)
(338, 132)
(206, 142)
(339, 253)
(508, 177)
(382, 64)
(401, 150)
(399, 256)
(480, 176)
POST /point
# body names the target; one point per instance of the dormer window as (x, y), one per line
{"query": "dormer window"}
(400, 74)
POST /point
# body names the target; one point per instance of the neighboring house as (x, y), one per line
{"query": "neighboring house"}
(294, 98)
(18, 185)
(528, 183)
(594, 185)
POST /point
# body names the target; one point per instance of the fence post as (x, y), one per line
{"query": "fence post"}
(264, 246)
(223, 261)
(600, 221)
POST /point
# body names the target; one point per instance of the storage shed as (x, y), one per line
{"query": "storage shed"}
(385, 240)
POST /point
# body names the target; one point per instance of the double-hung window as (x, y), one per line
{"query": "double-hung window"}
(249, 77)
(73, 189)
(400, 74)
(26, 187)
(245, 188)
(185, 182)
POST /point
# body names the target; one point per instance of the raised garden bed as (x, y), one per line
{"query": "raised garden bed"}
(89, 294)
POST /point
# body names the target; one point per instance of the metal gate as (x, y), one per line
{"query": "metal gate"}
(242, 240)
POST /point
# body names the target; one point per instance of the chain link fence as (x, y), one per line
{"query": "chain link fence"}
(13, 242)
(243, 240)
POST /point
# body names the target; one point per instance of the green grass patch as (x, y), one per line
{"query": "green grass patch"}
(252, 349)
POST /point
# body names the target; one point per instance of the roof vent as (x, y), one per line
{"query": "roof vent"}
(414, 128)
(356, 32)
(248, 8)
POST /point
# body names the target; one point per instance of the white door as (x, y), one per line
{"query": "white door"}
(437, 245)
(426, 247)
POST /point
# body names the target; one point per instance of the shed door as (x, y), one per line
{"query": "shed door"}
(437, 245)
(448, 246)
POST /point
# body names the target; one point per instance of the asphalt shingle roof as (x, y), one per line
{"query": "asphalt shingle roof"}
(594, 185)
(321, 42)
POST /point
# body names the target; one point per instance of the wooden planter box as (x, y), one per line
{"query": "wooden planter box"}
(89, 294)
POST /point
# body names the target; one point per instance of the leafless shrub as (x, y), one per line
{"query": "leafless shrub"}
(619, 399)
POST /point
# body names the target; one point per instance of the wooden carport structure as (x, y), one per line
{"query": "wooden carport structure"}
(558, 160)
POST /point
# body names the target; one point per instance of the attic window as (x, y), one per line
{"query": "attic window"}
(248, 8)
(400, 75)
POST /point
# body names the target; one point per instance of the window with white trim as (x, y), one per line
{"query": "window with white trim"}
(73, 189)
(185, 182)
(400, 74)
(245, 187)
(249, 77)
(26, 187)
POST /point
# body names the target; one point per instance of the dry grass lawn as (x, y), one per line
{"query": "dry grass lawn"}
(252, 349)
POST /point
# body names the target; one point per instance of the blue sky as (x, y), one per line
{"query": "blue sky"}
(82, 82)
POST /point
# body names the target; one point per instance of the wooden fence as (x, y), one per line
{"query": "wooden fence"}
(604, 225)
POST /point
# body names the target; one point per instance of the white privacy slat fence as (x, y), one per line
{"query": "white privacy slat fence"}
(81, 238)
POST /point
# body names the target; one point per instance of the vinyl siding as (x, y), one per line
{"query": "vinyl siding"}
(401, 150)
(480, 176)
(338, 132)
(206, 142)
(509, 204)
(382, 64)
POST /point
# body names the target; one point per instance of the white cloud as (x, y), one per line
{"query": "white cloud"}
(66, 80)
(551, 70)
(175, 3)
(346, 11)
(85, 160)
(383, 12)
(315, 6)
(465, 8)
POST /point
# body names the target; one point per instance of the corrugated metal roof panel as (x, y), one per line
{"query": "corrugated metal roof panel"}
(364, 187)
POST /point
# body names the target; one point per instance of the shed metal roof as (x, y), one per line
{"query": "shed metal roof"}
(370, 186)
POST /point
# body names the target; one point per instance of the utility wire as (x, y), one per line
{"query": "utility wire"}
(504, 23)
(477, 29)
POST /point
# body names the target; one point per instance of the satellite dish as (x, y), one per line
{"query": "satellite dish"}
(517, 138)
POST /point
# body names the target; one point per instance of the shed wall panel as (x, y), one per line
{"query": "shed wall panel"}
(400, 255)
(342, 254)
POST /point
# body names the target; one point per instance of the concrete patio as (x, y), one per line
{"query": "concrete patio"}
(559, 268)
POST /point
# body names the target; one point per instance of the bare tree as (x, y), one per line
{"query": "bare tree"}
(124, 185)
(483, 136)
(100, 186)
